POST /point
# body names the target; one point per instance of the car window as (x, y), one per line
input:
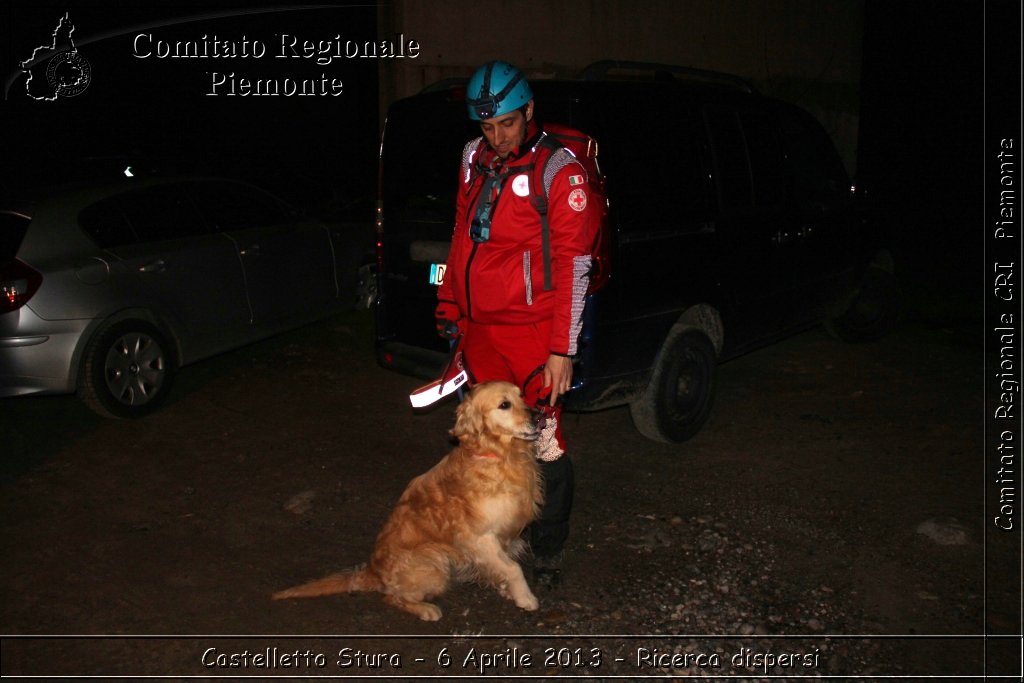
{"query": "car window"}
(161, 213)
(231, 206)
(732, 165)
(818, 174)
(421, 156)
(749, 157)
(760, 130)
(12, 231)
(656, 176)
(106, 224)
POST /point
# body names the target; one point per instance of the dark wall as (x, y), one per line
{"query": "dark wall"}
(921, 146)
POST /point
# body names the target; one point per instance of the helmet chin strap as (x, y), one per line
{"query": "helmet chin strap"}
(485, 87)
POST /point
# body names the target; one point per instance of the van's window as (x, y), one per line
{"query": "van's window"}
(231, 206)
(732, 165)
(766, 161)
(106, 224)
(161, 213)
(12, 230)
(819, 177)
(421, 156)
(655, 161)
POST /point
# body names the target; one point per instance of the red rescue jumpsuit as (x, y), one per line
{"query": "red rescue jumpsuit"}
(495, 289)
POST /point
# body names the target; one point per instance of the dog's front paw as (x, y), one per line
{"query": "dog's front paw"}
(528, 602)
(429, 612)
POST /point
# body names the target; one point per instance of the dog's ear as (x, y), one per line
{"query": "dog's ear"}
(468, 421)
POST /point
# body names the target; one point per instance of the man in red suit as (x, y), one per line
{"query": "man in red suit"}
(514, 286)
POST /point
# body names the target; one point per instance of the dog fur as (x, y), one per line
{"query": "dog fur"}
(460, 520)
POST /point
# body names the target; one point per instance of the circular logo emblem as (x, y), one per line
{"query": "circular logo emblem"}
(521, 185)
(578, 199)
(69, 73)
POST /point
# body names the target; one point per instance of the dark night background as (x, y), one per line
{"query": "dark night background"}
(920, 153)
(317, 151)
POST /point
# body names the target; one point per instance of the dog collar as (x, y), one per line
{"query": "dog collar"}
(486, 455)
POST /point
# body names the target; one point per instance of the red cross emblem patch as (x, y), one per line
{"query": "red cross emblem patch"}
(578, 199)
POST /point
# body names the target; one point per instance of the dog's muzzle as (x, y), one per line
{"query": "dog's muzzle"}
(531, 434)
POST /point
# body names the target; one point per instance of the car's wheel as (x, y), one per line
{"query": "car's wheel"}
(678, 399)
(127, 370)
(870, 311)
(366, 287)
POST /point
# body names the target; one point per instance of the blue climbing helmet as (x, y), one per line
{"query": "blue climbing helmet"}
(494, 89)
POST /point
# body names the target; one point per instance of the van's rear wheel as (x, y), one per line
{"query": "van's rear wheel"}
(677, 401)
(870, 311)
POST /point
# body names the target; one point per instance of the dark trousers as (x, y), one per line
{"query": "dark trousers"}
(549, 531)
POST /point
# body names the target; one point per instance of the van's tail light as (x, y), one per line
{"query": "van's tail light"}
(599, 275)
(379, 231)
(18, 283)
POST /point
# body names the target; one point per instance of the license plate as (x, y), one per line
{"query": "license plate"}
(437, 273)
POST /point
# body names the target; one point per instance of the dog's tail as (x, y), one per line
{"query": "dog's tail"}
(361, 579)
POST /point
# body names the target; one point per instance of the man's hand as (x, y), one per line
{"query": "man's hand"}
(557, 375)
(447, 320)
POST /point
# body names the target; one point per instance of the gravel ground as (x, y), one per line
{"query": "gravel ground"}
(824, 523)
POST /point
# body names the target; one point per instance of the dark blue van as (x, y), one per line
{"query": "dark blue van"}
(731, 223)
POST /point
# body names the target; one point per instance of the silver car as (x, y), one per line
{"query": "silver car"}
(106, 291)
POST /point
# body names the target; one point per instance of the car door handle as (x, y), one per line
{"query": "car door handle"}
(253, 250)
(157, 266)
(782, 238)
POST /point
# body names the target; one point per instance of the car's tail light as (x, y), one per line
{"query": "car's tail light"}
(600, 271)
(18, 283)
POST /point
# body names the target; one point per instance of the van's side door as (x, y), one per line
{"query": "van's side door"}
(822, 204)
(756, 230)
(655, 159)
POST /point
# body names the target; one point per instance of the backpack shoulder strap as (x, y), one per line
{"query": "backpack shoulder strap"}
(555, 157)
(558, 160)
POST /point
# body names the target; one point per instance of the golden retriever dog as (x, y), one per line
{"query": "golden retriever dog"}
(462, 519)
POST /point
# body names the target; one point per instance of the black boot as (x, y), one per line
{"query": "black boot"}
(549, 532)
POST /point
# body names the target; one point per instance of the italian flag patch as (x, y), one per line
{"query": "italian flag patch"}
(575, 180)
